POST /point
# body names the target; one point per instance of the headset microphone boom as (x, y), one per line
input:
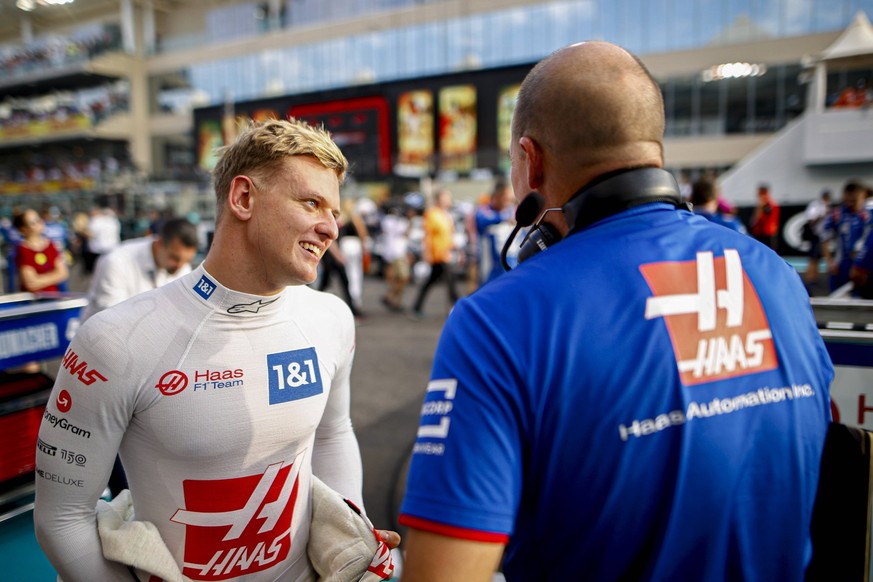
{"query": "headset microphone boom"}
(525, 215)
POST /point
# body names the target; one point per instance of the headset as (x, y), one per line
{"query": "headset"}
(607, 195)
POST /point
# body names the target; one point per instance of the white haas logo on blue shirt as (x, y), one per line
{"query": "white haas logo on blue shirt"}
(714, 316)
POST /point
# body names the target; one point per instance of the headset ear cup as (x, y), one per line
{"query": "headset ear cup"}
(541, 238)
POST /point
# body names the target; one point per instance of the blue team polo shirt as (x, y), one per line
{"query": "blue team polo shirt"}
(646, 399)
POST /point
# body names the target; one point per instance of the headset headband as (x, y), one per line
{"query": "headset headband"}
(618, 191)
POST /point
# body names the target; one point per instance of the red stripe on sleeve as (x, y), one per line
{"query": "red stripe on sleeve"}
(453, 531)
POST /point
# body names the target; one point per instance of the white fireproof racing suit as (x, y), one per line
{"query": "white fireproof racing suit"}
(221, 405)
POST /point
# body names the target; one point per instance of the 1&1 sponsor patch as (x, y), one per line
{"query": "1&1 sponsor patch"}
(293, 375)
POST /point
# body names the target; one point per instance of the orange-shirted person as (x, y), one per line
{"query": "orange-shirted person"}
(439, 242)
(854, 97)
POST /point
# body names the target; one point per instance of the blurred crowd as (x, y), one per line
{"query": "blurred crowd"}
(59, 52)
(853, 96)
(62, 109)
(419, 243)
(50, 173)
(44, 248)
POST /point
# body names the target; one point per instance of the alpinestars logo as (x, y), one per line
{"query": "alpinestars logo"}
(252, 307)
(714, 316)
(238, 526)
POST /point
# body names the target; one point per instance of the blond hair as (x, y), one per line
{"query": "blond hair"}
(262, 146)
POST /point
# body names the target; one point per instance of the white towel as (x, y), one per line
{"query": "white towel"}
(343, 544)
(135, 543)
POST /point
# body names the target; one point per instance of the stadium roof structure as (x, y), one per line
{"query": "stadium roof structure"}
(852, 48)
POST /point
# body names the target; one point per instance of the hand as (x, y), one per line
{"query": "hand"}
(391, 538)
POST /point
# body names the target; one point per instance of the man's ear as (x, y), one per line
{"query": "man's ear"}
(532, 162)
(240, 198)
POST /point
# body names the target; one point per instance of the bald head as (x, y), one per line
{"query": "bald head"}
(592, 103)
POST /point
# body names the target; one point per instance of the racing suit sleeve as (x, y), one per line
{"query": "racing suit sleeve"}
(336, 458)
(81, 430)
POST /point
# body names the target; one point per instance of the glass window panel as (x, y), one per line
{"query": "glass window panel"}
(737, 18)
(341, 68)
(408, 51)
(767, 100)
(434, 46)
(512, 27)
(606, 20)
(683, 108)
(798, 17)
(825, 16)
(764, 15)
(561, 21)
(493, 48)
(302, 12)
(737, 120)
(710, 15)
(711, 120)
(454, 37)
(794, 93)
(668, 92)
(630, 30)
(658, 25)
(682, 25)
(475, 40)
(539, 37)
(584, 20)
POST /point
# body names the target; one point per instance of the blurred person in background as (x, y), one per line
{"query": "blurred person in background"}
(765, 218)
(811, 233)
(353, 240)
(842, 233)
(395, 254)
(494, 221)
(704, 198)
(437, 250)
(141, 264)
(861, 272)
(104, 234)
(40, 266)
(79, 237)
(333, 263)
(56, 229)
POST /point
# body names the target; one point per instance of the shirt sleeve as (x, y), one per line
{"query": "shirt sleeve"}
(827, 227)
(465, 476)
(336, 458)
(108, 286)
(79, 437)
(864, 259)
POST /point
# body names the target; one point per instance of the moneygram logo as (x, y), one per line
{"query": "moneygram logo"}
(64, 424)
(172, 382)
(64, 401)
(234, 527)
(714, 316)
